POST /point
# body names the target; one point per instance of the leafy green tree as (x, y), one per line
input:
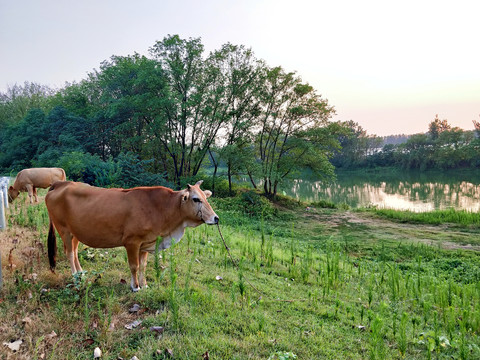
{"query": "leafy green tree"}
(132, 96)
(241, 76)
(356, 146)
(417, 152)
(294, 132)
(194, 107)
(437, 126)
(476, 125)
(22, 141)
(83, 100)
(18, 100)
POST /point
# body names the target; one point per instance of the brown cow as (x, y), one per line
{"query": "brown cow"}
(30, 179)
(134, 218)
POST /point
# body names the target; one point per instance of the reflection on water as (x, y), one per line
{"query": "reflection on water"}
(415, 191)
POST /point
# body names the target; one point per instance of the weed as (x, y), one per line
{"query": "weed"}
(402, 335)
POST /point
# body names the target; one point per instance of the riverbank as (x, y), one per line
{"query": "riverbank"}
(333, 283)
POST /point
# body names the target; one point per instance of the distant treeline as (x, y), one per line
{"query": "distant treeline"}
(441, 147)
(394, 139)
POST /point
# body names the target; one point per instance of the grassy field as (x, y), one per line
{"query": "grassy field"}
(329, 284)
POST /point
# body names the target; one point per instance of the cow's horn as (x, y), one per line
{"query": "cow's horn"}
(199, 182)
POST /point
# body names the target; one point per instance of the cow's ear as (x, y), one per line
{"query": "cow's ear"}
(207, 193)
(10, 188)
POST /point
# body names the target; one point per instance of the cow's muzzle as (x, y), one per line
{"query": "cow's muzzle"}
(213, 220)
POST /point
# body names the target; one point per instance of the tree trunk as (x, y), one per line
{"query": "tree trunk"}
(229, 173)
(275, 189)
(265, 186)
(214, 172)
(251, 179)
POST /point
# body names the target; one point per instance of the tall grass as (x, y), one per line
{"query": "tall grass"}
(437, 217)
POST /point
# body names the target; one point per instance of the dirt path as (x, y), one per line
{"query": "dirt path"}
(446, 236)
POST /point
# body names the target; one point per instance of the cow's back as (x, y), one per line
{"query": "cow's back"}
(38, 177)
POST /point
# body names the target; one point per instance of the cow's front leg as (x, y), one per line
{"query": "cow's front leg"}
(68, 248)
(78, 268)
(133, 251)
(143, 266)
(30, 192)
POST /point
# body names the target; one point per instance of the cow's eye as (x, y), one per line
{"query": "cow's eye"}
(197, 200)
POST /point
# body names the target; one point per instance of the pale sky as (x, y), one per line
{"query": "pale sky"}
(388, 65)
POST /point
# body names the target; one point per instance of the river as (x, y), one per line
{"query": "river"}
(415, 191)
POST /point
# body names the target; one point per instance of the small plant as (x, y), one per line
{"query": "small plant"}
(426, 311)
(306, 264)
(242, 288)
(156, 260)
(174, 306)
(281, 355)
(402, 334)
(186, 291)
(87, 311)
(370, 290)
(377, 346)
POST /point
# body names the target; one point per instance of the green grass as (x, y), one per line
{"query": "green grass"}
(329, 290)
(437, 217)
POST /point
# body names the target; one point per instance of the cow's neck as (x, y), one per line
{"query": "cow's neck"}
(174, 221)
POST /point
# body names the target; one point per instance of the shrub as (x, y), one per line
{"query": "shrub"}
(248, 202)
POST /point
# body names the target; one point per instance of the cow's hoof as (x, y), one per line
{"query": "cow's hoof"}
(135, 289)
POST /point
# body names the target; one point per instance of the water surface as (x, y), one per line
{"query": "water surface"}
(415, 191)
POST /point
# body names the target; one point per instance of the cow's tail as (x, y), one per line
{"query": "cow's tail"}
(52, 247)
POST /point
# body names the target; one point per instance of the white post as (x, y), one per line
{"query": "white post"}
(4, 186)
(3, 224)
(5, 195)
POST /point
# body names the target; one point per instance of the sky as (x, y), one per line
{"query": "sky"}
(390, 66)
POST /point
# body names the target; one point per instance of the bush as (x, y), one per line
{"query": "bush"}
(78, 164)
(248, 202)
(126, 171)
(131, 172)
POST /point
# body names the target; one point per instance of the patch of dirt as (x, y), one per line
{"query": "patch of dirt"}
(453, 246)
(446, 236)
(21, 248)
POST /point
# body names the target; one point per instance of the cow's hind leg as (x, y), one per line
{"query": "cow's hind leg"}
(143, 266)
(75, 242)
(133, 252)
(68, 247)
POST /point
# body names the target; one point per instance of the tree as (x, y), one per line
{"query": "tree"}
(437, 126)
(293, 130)
(356, 145)
(194, 108)
(83, 100)
(18, 100)
(476, 125)
(22, 140)
(240, 71)
(416, 152)
(133, 93)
